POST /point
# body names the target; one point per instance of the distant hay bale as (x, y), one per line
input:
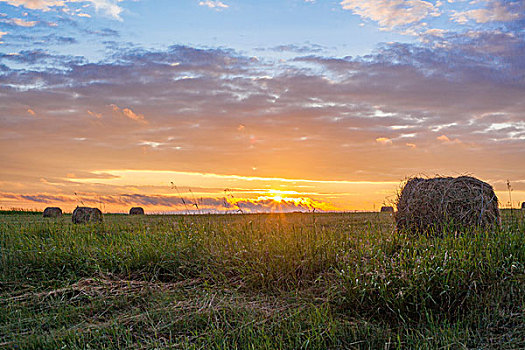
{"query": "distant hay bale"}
(446, 202)
(82, 215)
(523, 206)
(136, 211)
(387, 209)
(52, 212)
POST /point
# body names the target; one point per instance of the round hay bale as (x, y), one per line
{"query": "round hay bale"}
(52, 212)
(434, 204)
(387, 209)
(523, 205)
(82, 215)
(136, 211)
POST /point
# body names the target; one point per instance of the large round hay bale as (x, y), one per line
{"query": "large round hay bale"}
(82, 215)
(386, 209)
(435, 204)
(52, 212)
(136, 211)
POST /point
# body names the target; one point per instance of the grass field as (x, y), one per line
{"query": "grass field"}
(290, 281)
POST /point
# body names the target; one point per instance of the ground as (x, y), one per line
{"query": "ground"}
(279, 281)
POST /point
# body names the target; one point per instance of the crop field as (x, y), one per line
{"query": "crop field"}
(268, 281)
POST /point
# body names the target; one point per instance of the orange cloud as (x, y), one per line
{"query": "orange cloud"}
(128, 113)
(384, 141)
(132, 115)
(279, 204)
(392, 13)
(445, 139)
(110, 8)
(170, 203)
(35, 4)
(19, 22)
(96, 115)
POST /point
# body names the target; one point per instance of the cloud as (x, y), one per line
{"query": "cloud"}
(435, 32)
(410, 93)
(108, 7)
(132, 115)
(419, 17)
(97, 115)
(172, 203)
(44, 5)
(384, 141)
(36, 39)
(39, 56)
(128, 113)
(90, 175)
(266, 204)
(183, 108)
(443, 138)
(26, 56)
(217, 5)
(495, 11)
(105, 32)
(307, 48)
(392, 13)
(18, 22)
(446, 139)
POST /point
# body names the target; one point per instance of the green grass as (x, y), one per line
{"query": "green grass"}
(311, 281)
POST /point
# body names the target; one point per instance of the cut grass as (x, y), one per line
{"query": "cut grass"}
(258, 281)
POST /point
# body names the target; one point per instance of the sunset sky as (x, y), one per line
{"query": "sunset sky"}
(256, 105)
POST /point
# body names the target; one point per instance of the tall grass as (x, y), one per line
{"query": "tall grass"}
(273, 281)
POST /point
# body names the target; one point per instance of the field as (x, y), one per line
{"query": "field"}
(290, 281)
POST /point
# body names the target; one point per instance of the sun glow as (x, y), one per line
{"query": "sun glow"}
(277, 198)
(274, 192)
(278, 195)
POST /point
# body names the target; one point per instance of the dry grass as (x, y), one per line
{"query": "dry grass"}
(294, 281)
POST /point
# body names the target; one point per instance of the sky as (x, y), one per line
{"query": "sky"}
(256, 106)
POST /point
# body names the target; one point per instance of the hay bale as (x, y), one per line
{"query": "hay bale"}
(136, 211)
(52, 212)
(82, 215)
(446, 202)
(386, 209)
(523, 206)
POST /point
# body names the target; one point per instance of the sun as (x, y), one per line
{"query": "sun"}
(279, 195)
(277, 198)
